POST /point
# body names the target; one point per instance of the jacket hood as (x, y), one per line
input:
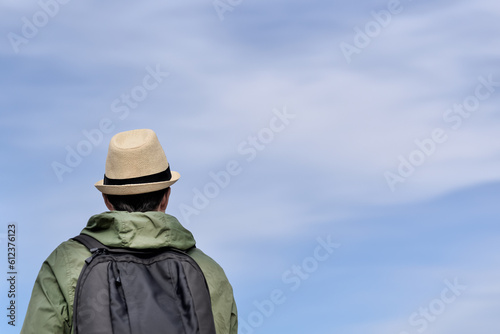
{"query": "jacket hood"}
(139, 230)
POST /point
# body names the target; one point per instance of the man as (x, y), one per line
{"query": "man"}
(136, 190)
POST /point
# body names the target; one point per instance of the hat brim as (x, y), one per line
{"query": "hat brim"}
(134, 189)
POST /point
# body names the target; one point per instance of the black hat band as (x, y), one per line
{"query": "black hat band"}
(166, 175)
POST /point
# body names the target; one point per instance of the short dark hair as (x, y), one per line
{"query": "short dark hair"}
(137, 203)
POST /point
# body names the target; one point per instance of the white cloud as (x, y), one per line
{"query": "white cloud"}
(352, 121)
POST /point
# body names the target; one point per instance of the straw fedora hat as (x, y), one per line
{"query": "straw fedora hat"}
(136, 164)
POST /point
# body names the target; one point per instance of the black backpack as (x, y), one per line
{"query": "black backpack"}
(124, 291)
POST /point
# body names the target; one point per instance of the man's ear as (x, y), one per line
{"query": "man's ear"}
(107, 202)
(164, 201)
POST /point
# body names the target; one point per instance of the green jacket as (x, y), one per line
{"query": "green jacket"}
(51, 306)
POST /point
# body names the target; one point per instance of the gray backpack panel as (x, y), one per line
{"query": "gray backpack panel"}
(140, 292)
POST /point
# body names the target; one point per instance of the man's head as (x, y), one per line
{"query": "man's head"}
(153, 201)
(137, 174)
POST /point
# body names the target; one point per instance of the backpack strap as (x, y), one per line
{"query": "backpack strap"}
(89, 242)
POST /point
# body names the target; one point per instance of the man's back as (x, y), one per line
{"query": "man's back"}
(51, 305)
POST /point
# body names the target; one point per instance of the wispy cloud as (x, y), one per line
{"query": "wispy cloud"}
(323, 174)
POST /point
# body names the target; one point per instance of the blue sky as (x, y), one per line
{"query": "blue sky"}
(337, 159)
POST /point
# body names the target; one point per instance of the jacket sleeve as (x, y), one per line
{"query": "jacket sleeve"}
(234, 319)
(221, 293)
(48, 311)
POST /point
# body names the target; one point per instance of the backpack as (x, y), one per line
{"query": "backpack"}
(125, 291)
